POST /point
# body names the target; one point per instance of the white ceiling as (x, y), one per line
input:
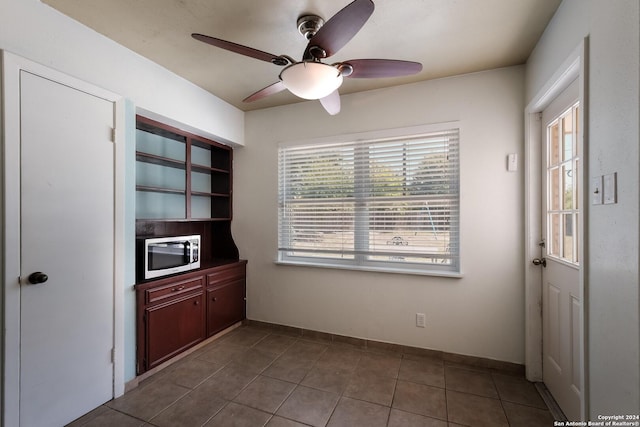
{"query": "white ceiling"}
(448, 37)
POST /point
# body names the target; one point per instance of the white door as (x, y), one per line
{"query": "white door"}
(67, 233)
(561, 294)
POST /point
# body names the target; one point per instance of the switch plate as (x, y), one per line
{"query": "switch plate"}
(512, 162)
(610, 188)
(596, 190)
(421, 321)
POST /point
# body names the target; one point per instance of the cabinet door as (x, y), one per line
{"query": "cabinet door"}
(173, 327)
(225, 306)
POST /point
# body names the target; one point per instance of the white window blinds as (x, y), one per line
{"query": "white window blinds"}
(387, 204)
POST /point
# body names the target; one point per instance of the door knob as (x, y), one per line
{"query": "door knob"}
(38, 277)
(539, 261)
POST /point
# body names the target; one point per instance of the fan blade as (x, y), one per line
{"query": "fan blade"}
(242, 50)
(331, 103)
(372, 68)
(338, 30)
(264, 92)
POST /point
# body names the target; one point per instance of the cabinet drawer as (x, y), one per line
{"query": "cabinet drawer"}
(231, 274)
(172, 289)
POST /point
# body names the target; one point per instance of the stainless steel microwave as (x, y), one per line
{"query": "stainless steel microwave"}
(162, 256)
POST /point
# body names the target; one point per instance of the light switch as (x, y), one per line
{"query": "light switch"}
(512, 162)
(596, 190)
(610, 188)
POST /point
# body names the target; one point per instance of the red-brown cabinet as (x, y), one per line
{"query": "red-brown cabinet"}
(184, 187)
(178, 312)
(225, 297)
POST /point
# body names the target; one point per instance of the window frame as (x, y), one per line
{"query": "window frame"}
(454, 270)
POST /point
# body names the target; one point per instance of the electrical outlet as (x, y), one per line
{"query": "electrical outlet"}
(420, 320)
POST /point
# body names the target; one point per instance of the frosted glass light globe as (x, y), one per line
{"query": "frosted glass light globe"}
(311, 80)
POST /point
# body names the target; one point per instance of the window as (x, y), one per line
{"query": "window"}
(563, 161)
(388, 204)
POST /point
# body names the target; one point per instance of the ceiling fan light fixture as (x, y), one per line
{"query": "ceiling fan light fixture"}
(311, 80)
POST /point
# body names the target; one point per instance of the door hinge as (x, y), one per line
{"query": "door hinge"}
(113, 355)
(113, 134)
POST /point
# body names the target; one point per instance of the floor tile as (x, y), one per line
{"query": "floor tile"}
(275, 344)
(469, 409)
(527, 416)
(349, 342)
(89, 416)
(234, 415)
(341, 357)
(244, 337)
(330, 379)
(228, 382)
(191, 372)
(254, 360)
(406, 419)
(305, 350)
(321, 337)
(146, 402)
(283, 422)
(266, 394)
(424, 371)
(309, 406)
(473, 382)
(256, 377)
(420, 399)
(371, 388)
(379, 364)
(350, 413)
(194, 409)
(383, 347)
(289, 369)
(518, 390)
(110, 418)
(222, 353)
(448, 363)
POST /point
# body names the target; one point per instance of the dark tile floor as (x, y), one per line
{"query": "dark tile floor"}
(253, 377)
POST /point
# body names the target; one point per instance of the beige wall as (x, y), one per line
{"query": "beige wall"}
(613, 232)
(37, 32)
(480, 314)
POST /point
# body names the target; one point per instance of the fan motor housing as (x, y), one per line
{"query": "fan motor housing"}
(308, 25)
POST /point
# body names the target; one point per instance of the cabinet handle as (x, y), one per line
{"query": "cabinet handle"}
(196, 302)
(214, 299)
(179, 288)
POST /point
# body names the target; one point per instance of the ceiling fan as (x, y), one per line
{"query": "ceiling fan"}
(311, 78)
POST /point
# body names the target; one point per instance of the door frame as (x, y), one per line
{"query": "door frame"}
(574, 67)
(12, 65)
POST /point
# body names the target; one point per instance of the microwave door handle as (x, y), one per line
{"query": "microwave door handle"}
(195, 248)
(187, 251)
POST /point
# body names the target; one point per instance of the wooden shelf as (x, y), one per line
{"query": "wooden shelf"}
(207, 169)
(207, 165)
(159, 160)
(159, 189)
(200, 193)
(182, 220)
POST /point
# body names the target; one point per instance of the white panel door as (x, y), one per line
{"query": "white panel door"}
(561, 296)
(67, 233)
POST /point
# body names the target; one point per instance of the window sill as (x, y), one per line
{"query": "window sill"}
(418, 272)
